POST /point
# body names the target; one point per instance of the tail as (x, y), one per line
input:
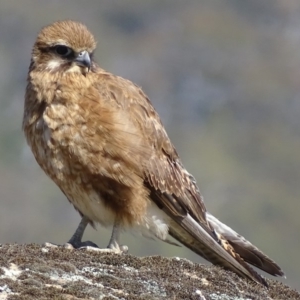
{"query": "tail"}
(244, 248)
(216, 249)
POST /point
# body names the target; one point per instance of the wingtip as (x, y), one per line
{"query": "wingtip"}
(247, 251)
(280, 274)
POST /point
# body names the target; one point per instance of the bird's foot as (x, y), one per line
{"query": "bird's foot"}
(90, 246)
(79, 245)
(72, 245)
(122, 249)
(50, 245)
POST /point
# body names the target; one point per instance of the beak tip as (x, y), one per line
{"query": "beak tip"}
(83, 59)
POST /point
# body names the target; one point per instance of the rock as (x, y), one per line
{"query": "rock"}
(35, 272)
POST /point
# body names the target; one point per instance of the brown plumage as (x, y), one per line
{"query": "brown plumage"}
(98, 137)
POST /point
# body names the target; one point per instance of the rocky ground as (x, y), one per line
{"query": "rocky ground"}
(38, 272)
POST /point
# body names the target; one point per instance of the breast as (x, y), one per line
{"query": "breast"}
(46, 138)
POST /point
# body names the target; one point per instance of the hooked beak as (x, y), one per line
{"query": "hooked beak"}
(83, 59)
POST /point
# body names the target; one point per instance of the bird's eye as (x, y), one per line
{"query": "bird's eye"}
(63, 50)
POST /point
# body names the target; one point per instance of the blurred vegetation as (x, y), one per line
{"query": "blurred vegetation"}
(224, 76)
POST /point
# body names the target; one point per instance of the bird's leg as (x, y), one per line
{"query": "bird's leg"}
(114, 240)
(113, 245)
(75, 240)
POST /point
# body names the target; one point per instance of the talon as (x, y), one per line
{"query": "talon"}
(50, 245)
(68, 246)
(102, 250)
(124, 249)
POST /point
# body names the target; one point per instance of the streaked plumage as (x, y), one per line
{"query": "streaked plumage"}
(98, 137)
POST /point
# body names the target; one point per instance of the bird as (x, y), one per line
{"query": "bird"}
(99, 138)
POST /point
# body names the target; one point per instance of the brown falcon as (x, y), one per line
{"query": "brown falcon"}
(98, 137)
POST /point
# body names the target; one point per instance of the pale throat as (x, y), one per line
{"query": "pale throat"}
(53, 64)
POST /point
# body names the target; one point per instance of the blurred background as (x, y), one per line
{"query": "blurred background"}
(224, 76)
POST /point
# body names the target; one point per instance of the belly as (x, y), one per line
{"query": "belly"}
(86, 195)
(68, 177)
(87, 200)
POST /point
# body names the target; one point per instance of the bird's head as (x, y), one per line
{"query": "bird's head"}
(64, 46)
